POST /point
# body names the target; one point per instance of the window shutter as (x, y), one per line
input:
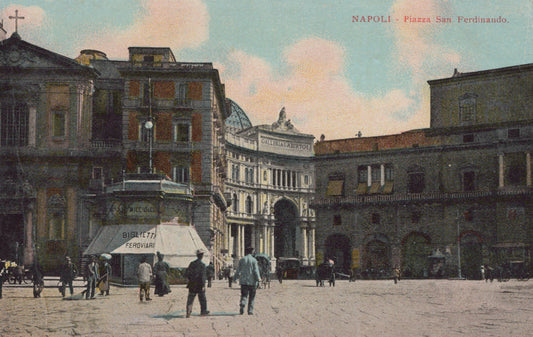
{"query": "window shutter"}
(164, 89)
(196, 163)
(133, 126)
(195, 91)
(164, 127)
(196, 127)
(135, 89)
(131, 162)
(162, 162)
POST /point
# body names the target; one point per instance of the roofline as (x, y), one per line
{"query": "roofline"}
(424, 130)
(459, 76)
(15, 38)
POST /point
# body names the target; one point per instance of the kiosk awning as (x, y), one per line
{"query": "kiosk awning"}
(178, 243)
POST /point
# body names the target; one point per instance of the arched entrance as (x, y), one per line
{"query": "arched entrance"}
(286, 215)
(415, 251)
(471, 255)
(376, 257)
(12, 237)
(338, 248)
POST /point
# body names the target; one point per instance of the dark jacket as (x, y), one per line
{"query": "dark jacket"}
(68, 272)
(197, 276)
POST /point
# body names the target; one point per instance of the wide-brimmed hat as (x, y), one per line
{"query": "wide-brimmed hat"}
(200, 251)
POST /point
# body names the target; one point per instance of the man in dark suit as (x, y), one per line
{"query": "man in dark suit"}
(197, 276)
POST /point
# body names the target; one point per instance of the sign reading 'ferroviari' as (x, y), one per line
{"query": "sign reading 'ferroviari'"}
(141, 209)
(284, 146)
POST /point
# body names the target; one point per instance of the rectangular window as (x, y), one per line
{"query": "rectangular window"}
(98, 173)
(182, 99)
(416, 183)
(335, 186)
(513, 133)
(389, 173)
(469, 181)
(376, 174)
(181, 174)
(146, 98)
(469, 138)
(58, 124)
(337, 220)
(182, 132)
(362, 174)
(375, 219)
(14, 121)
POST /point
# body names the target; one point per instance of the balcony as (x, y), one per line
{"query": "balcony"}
(418, 197)
(106, 144)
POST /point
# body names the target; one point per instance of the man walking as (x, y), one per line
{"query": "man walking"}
(92, 278)
(248, 274)
(196, 274)
(144, 273)
(210, 274)
(67, 275)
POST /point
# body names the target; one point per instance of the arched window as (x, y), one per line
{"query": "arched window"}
(249, 205)
(235, 203)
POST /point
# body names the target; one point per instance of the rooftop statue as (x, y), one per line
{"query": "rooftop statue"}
(282, 122)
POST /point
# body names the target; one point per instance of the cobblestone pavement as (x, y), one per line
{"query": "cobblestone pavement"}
(294, 308)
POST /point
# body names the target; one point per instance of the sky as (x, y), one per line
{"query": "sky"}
(335, 71)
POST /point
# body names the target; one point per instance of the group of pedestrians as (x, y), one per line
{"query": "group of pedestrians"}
(198, 274)
(97, 276)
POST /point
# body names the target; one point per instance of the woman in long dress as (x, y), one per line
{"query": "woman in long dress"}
(161, 270)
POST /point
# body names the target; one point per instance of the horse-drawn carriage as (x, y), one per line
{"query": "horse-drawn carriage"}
(263, 262)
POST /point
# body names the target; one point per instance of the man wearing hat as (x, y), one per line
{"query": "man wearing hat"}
(197, 276)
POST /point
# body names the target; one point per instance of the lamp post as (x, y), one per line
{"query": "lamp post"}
(458, 248)
(148, 125)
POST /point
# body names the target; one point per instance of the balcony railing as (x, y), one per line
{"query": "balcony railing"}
(105, 144)
(414, 197)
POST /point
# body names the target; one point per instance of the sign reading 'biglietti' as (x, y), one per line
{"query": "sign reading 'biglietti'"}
(139, 239)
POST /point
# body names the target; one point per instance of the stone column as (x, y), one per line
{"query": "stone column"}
(369, 175)
(311, 238)
(501, 171)
(271, 239)
(238, 241)
(528, 169)
(254, 237)
(29, 235)
(241, 251)
(264, 246)
(382, 175)
(304, 242)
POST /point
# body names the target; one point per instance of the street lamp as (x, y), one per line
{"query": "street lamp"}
(148, 125)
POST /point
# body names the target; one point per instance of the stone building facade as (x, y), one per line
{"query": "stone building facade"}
(163, 117)
(69, 128)
(45, 145)
(440, 201)
(270, 184)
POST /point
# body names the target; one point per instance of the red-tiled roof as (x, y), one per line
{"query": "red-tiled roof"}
(398, 141)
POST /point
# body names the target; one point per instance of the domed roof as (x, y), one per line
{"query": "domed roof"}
(237, 119)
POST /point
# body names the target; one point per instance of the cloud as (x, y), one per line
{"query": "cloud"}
(315, 92)
(32, 14)
(163, 23)
(417, 46)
